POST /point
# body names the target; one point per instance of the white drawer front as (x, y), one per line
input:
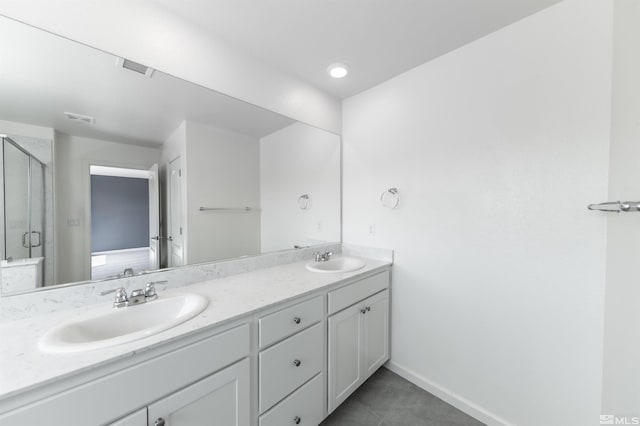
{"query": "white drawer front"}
(289, 321)
(289, 364)
(304, 405)
(353, 293)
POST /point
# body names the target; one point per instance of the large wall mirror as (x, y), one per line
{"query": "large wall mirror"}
(110, 169)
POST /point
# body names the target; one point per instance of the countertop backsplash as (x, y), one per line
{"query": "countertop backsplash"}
(19, 306)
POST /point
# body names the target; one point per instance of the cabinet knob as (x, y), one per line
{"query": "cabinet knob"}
(159, 422)
(363, 311)
(297, 320)
(297, 420)
(297, 363)
(368, 308)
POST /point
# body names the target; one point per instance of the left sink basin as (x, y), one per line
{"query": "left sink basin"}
(117, 326)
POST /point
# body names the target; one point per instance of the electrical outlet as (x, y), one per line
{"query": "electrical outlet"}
(372, 230)
(73, 222)
(319, 226)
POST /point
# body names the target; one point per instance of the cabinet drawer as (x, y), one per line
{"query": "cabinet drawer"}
(289, 364)
(289, 321)
(353, 293)
(304, 404)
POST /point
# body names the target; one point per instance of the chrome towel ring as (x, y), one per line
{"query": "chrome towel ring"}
(304, 202)
(390, 198)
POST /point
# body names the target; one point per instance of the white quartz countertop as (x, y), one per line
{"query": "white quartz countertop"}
(24, 367)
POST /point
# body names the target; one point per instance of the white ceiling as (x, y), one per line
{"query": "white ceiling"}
(379, 39)
(42, 76)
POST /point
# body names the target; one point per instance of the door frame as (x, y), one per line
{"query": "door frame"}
(86, 177)
(183, 211)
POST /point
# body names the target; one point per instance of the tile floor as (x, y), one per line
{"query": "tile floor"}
(387, 399)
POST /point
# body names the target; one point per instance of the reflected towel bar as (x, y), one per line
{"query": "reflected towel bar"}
(228, 209)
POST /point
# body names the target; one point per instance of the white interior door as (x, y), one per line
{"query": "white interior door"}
(175, 242)
(154, 218)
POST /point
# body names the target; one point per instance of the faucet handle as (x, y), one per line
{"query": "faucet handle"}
(150, 290)
(118, 290)
(121, 296)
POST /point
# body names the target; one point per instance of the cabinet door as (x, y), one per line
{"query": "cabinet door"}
(376, 332)
(221, 399)
(139, 418)
(345, 354)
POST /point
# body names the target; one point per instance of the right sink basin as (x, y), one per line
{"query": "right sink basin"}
(337, 264)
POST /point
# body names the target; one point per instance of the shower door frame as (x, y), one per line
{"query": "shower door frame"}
(29, 197)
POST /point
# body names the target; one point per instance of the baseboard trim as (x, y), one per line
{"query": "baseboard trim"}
(449, 397)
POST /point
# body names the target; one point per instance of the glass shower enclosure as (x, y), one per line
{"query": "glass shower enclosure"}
(24, 207)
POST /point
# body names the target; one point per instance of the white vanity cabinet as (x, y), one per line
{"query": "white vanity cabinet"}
(290, 364)
(358, 335)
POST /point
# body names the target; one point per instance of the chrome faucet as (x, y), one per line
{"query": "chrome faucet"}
(323, 257)
(137, 297)
(121, 299)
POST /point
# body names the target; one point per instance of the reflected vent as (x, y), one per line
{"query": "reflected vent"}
(79, 117)
(134, 66)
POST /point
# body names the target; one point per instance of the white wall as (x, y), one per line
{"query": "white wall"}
(296, 160)
(222, 171)
(145, 32)
(28, 130)
(496, 149)
(73, 156)
(621, 381)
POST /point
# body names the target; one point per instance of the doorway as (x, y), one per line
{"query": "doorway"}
(124, 212)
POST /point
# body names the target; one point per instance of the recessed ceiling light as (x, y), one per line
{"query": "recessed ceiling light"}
(338, 70)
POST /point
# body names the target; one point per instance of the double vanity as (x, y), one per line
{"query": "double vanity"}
(171, 266)
(283, 345)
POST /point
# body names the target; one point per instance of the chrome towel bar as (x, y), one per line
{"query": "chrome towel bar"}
(616, 206)
(228, 209)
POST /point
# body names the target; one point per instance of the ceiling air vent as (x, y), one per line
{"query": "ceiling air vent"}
(79, 117)
(134, 66)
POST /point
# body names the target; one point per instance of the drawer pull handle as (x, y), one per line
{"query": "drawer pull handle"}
(297, 320)
(363, 311)
(297, 420)
(297, 363)
(159, 422)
